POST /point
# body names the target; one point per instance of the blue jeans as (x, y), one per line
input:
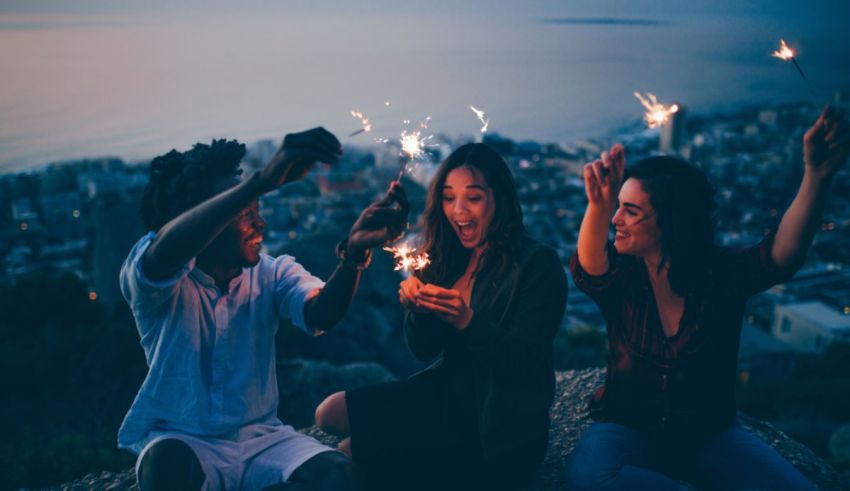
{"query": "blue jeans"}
(613, 456)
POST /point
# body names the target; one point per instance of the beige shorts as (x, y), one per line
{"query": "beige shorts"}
(264, 455)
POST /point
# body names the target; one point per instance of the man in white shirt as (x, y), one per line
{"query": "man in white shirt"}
(207, 305)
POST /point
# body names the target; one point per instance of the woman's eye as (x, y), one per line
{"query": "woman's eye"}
(448, 198)
(474, 199)
(631, 213)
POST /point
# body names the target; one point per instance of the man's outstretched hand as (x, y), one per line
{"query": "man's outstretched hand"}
(298, 153)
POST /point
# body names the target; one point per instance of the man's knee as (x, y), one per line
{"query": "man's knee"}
(332, 415)
(330, 471)
(170, 465)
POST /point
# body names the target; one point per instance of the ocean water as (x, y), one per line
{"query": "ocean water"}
(135, 86)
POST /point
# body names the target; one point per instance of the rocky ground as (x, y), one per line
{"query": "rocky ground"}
(569, 419)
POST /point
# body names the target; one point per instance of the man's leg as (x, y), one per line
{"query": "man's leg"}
(615, 457)
(737, 459)
(327, 471)
(170, 465)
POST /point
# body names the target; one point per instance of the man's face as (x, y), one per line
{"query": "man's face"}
(238, 245)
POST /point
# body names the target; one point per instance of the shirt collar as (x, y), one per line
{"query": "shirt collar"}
(209, 282)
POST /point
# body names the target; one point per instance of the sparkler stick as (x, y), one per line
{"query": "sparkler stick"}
(367, 126)
(785, 53)
(656, 113)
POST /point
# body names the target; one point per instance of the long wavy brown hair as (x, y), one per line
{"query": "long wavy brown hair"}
(505, 233)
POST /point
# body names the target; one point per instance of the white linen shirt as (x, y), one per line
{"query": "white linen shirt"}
(210, 356)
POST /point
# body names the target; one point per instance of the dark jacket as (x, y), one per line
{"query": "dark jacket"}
(505, 353)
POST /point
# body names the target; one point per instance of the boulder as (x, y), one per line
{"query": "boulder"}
(569, 420)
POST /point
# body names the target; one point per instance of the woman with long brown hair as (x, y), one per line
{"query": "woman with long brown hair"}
(487, 308)
(674, 304)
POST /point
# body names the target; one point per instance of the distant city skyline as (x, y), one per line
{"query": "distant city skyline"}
(133, 79)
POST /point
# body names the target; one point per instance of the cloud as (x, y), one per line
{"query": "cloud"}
(604, 21)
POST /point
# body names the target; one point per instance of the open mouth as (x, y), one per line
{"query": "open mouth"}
(466, 230)
(619, 235)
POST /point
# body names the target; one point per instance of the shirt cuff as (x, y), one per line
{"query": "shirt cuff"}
(589, 283)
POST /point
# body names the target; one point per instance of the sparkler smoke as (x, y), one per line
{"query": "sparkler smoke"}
(367, 126)
(480, 115)
(406, 258)
(656, 113)
(785, 53)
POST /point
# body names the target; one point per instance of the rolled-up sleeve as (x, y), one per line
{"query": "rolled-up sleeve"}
(294, 286)
(751, 270)
(141, 292)
(604, 288)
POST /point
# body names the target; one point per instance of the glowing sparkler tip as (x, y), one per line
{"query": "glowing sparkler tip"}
(407, 259)
(367, 126)
(784, 52)
(656, 113)
(480, 114)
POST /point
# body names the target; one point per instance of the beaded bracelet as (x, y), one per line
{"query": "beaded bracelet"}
(346, 260)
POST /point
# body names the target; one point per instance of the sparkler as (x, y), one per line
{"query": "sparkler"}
(367, 126)
(413, 144)
(656, 113)
(406, 258)
(785, 53)
(480, 115)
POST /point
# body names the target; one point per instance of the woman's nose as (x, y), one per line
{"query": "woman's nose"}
(617, 218)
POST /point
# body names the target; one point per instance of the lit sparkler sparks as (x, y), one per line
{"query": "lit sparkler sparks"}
(413, 144)
(656, 113)
(480, 115)
(407, 259)
(367, 126)
(785, 53)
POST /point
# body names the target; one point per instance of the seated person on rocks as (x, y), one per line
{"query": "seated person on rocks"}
(488, 306)
(207, 304)
(674, 304)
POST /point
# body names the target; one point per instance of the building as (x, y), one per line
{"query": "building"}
(810, 326)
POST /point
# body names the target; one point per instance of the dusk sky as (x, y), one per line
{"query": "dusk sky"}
(134, 79)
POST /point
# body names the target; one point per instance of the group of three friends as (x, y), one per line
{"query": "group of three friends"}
(207, 305)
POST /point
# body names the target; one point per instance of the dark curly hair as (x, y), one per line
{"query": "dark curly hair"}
(181, 180)
(505, 233)
(683, 199)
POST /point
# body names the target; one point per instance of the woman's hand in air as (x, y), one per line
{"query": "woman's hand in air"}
(604, 176)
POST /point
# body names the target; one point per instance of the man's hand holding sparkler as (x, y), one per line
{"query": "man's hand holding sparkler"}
(378, 224)
(447, 304)
(298, 153)
(383, 221)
